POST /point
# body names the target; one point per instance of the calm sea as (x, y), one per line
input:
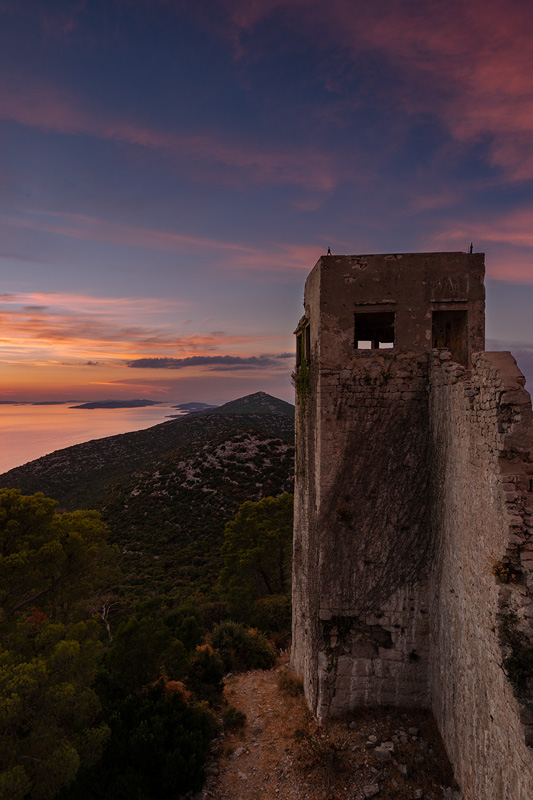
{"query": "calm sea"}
(28, 432)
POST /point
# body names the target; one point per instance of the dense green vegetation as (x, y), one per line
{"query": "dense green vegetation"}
(92, 710)
(257, 556)
(116, 628)
(169, 519)
(50, 565)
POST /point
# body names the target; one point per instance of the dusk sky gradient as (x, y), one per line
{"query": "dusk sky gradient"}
(171, 171)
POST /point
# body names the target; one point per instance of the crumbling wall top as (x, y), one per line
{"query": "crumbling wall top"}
(412, 302)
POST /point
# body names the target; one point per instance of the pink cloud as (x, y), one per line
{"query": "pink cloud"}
(80, 226)
(469, 61)
(61, 23)
(52, 108)
(233, 255)
(72, 327)
(515, 229)
(281, 257)
(58, 19)
(507, 241)
(86, 304)
(421, 200)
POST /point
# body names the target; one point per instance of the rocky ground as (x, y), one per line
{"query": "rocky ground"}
(281, 752)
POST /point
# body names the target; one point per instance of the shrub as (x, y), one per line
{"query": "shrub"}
(206, 673)
(273, 614)
(503, 571)
(141, 650)
(189, 632)
(242, 648)
(518, 661)
(157, 748)
(233, 719)
(319, 750)
(289, 684)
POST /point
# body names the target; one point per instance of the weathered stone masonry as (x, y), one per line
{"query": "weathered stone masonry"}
(412, 556)
(481, 445)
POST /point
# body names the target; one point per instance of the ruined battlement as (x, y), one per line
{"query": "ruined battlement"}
(413, 547)
(408, 302)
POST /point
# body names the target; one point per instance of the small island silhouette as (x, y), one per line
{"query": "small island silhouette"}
(118, 404)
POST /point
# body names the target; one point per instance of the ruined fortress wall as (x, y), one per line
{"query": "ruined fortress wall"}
(413, 553)
(482, 482)
(362, 530)
(362, 546)
(374, 533)
(305, 624)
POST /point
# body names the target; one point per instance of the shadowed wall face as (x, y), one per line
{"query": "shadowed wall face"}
(413, 576)
(363, 525)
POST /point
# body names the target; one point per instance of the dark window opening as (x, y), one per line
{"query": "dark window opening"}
(531, 484)
(303, 346)
(299, 349)
(374, 331)
(450, 330)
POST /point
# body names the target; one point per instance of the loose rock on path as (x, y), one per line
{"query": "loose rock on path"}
(282, 752)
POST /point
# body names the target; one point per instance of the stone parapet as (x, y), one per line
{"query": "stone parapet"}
(413, 541)
(481, 580)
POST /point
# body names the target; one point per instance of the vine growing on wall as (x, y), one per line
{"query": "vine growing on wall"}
(301, 379)
(518, 660)
(503, 571)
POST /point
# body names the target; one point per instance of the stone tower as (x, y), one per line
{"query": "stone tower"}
(414, 469)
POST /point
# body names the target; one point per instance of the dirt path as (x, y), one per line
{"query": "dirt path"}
(282, 753)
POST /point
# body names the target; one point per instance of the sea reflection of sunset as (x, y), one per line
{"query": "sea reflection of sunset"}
(28, 432)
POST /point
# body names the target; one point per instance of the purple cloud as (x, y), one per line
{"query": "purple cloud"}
(216, 363)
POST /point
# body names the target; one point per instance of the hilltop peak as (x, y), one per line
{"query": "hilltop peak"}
(256, 403)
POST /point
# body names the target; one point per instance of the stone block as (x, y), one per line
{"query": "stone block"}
(363, 667)
(391, 654)
(345, 666)
(343, 684)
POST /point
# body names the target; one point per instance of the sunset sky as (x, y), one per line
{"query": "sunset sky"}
(171, 171)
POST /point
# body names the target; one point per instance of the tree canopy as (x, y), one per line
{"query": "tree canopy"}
(49, 647)
(257, 551)
(52, 561)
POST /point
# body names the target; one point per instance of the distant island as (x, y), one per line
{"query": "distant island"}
(36, 402)
(118, 404)
(191, 408)
(52, 402)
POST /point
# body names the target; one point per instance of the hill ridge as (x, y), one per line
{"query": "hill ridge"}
(161, 438)
(166, 492)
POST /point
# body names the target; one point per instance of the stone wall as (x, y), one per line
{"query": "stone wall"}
(422, 582)
(413, 544)
(482, 579)
(375, 538)
(305, 622)
(361, 592)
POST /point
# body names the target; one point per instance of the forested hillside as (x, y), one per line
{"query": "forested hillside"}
(115, 633)
(81, 476)
(167, 492)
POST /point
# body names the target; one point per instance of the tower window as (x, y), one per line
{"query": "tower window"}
(374, 330)
(450, 329)
(303, 345)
